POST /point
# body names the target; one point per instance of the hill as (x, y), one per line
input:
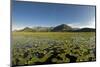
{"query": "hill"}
(62, 28)
(85, 30)
(26, 29)
(59, 28)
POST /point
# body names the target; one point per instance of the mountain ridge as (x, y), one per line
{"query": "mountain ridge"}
(58, 28)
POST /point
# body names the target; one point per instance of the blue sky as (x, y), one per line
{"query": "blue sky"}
(34, 14)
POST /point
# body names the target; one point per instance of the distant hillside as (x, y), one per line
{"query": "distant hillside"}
(26, 29)
(42, 29)
(62, 28)
(59, 28)
(85, 30)
(35, 29)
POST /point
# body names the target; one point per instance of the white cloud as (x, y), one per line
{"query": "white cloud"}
(14, 27)
(89, 24)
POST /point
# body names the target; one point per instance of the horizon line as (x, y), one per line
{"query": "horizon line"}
(18, 28)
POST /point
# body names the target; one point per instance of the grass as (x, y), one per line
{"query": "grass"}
(32, 48)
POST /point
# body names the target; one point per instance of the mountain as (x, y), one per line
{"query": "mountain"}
(59, 28)
(27, 29)
(42, 29)
(62, 28)
(35, 29)
(85, 30)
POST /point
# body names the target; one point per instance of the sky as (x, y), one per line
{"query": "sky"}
(32, 14)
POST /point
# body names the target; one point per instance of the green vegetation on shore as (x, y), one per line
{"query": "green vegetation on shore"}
(32, 48)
